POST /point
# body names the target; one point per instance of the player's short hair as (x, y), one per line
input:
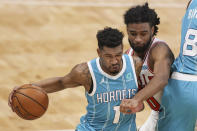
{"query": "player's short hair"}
(141, 14)
(109, 37)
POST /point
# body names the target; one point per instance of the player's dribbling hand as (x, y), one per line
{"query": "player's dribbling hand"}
(129, 106)
(10, 98)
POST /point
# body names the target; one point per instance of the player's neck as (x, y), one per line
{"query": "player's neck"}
(141, 55)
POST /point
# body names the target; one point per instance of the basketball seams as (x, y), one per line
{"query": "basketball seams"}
(29, 102)
(23, 88)
(31, 99)
(36, 88)
(18, 111)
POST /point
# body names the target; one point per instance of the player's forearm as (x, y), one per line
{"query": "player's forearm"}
(138, 65)
(51, 85)
(156, 84)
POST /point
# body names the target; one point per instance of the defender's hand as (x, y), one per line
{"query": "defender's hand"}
(129, 106)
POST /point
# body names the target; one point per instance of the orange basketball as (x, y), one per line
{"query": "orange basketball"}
(30, 102)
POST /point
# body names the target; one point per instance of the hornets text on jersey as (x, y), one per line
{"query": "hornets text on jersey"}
(103, 102)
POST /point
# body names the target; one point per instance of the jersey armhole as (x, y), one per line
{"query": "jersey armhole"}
(93, 85)
(189, 4)
(130, 52)
(148, 62)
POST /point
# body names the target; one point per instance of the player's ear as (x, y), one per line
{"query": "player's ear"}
(98, 52)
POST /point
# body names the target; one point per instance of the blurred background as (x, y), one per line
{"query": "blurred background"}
(46, 38)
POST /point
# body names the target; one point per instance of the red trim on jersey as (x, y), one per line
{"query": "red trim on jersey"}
(139, 83)
(148, 55)
(127, 51)
(132, 53)
(153, 103)
(144, 79)
(154, 44)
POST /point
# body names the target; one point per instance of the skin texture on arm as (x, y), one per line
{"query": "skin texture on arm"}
(78, 76)
(138, 65)
(161, 59)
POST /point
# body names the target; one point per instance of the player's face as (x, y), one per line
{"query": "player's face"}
(140, 36)
(111, 59)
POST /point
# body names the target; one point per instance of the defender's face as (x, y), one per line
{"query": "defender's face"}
(111, 59)
(140, 36)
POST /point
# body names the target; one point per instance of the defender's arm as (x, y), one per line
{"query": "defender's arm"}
(162, 59)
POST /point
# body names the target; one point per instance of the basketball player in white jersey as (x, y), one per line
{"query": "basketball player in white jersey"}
(141, 22)
(179, 100)
(107, 80)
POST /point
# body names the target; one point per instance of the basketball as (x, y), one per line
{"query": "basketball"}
(29, 102)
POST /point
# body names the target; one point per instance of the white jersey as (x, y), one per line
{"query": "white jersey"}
(146, 75)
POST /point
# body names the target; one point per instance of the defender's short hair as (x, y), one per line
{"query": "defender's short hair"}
(141, 14)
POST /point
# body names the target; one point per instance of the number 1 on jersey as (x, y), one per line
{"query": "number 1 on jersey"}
(117, 114)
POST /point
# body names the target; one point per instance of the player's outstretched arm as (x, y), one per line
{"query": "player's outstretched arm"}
(78, 76)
